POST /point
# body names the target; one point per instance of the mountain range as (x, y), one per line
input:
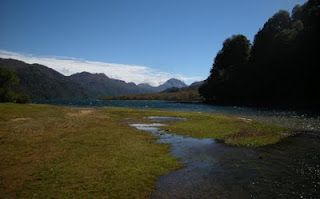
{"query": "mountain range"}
(168, 84)
(41, 82)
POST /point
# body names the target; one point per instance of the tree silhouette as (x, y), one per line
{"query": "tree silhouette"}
(280, 70)
(227, 69)
(8, 79)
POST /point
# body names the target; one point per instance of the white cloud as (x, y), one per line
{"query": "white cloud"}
(128, 73)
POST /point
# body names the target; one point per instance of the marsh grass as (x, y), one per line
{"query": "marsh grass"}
(63, 152)
(231, 130)
(95, 155)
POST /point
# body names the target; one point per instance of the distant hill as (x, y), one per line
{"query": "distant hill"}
(147, 87)
(168, 84)
(41, 82)
(100, 85)
(172, 83)
(184, 94)
(195, 85)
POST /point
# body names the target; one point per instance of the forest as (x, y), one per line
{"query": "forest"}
(279, 69)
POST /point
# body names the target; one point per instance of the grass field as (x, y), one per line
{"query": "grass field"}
(63, 152)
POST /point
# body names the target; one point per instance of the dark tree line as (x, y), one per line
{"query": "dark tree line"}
(279, 69)
(8, 80)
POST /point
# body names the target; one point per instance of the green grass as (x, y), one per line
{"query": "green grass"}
(62, 152)
(231, 130)
(58, 152)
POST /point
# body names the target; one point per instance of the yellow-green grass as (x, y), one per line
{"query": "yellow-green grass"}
(63, 152)
(60, 152)
(231, 130)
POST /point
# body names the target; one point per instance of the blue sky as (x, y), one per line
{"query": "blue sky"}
(166, 38)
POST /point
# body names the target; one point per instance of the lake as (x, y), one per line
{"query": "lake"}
(302, 120)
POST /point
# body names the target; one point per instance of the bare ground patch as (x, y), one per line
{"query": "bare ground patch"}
(80, 113)
(20, 119)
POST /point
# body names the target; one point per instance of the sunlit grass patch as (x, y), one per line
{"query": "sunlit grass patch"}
(231, 130)
(64, 152)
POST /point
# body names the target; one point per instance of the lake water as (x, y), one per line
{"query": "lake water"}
(302, 120)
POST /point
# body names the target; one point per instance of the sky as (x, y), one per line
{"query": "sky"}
(132, 40)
